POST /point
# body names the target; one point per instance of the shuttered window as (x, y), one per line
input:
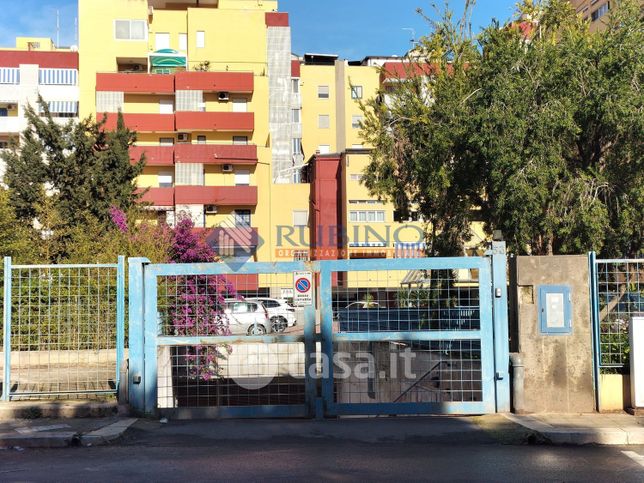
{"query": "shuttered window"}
(58, 77)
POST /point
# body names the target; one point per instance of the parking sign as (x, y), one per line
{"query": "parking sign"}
(302, 289)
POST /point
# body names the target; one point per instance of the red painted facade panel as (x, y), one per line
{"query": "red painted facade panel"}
(216, 195)
(242, 82)
(216, 153)
(135, 83)
(276, 19)
(46, 60)
(215, 121)
(142, 122)
(325, 205)
(158, 196)
(154, 155)
(295, 68)
(244, 283)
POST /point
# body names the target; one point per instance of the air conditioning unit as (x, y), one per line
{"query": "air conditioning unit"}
(11, 106)
(183, 137)
(227, 168)
(210, 209)
(137, 67)
(223, 96)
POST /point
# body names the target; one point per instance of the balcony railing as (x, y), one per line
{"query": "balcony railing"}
(158, 196)
(135, 83)
(215, 153)
(154, 155)
(215, 121)
(216, 195)
(237, 82)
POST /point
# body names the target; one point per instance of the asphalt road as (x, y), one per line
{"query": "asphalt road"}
(181, 457)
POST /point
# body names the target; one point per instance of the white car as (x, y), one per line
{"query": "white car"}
(280, 313)
(246, 317)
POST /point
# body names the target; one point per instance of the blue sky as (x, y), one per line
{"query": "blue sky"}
(351, 28)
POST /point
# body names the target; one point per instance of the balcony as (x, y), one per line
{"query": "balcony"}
(237, 82)
(12, 124)
(215, 121)
(154, 155)
(143, 122)
(216, 195)
(158, 196)
(135, 83)
(216, 153)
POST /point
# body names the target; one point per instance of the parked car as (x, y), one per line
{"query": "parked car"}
(247, 317)
(280, 312)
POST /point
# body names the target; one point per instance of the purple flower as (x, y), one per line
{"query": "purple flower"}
(119, 219)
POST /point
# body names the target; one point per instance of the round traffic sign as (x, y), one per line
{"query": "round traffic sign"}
(302, 285)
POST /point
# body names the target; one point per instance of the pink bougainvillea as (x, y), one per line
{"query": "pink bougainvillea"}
(194, 304)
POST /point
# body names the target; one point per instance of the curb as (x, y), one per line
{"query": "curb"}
(576, 436)
(65, 439)
(34, 410)
(107, 434)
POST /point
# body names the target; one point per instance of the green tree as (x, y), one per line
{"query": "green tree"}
(84, 168)
(534, 127)
(15, 239)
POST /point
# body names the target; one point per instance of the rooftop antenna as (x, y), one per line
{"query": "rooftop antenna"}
(413, 35)
(57, 28)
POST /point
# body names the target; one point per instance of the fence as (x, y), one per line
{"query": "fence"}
(617, 290)
(395, 336)
(63, 331)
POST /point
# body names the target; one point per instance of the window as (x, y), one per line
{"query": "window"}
(201, 39)
(300, 218)
(355, 122)
(355, 177)
(323, 121)
(356, 92)
(240, 105)
(323, 92)
(295, 86)
(130, 29)
(161, 40)
(166, 141)
(166, 106)
(4, 112)
(295, 115)
(242, 217)
(600, 12)
(242, 177)
(240, 140)
(4, 144)
(183, 42)
(201, 139)
(367, 216)
(165, 179)
(324, 149)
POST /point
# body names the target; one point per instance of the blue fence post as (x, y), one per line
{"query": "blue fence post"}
(594, 313)
(501, 336)
(120, 318)
(326, 322)
(150, 335)
(136, 366)
(6, 327)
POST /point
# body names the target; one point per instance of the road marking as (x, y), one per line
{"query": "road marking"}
(635, 457)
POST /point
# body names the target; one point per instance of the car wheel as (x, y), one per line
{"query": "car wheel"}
(279, 324)
(256, 330)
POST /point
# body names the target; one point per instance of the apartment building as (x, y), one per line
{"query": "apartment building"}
(35, 67)
(596, 11)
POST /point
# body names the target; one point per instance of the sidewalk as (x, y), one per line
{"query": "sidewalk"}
(577, 429)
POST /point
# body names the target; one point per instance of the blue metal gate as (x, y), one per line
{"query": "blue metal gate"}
(384, 336)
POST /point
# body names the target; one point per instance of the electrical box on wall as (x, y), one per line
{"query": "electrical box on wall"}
(555, 310)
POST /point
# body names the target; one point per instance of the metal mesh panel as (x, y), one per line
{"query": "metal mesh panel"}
(620, 289)
(229, 371)
(109, 101)
(382, 301)
(63, 330)
(189, 100)
(408, 371)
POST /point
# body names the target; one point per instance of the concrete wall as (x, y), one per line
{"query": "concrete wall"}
(558, 368)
